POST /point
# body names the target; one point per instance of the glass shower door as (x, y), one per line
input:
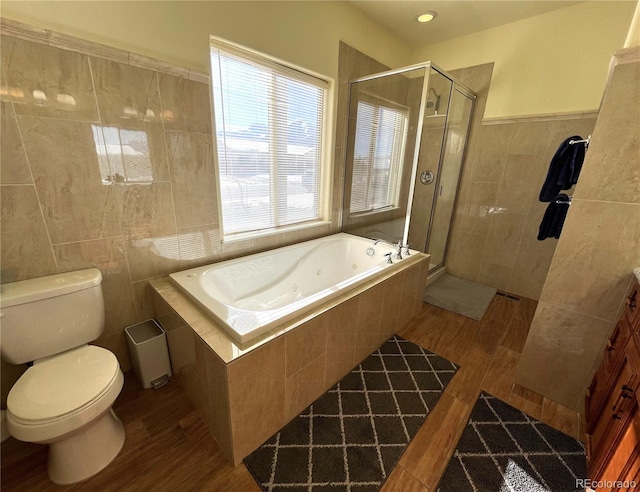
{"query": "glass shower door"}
(406, 135)
(434, 126)
(449, 176)
(381, 136)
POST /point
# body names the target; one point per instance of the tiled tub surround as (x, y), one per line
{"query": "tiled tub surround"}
(107, 164)
(247, 392)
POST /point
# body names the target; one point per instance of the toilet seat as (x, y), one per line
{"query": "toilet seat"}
(61, 393)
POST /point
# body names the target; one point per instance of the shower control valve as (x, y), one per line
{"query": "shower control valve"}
(407, 251)
(388, 257)
(426, 177)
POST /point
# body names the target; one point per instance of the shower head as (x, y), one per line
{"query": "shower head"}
(431, 103)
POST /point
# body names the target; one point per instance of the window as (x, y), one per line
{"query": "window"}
(381, 132)
(270, 124)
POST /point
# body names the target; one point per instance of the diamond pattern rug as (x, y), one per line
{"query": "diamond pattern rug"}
(351, 437)
(503, 449)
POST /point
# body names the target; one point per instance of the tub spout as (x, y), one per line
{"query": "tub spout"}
(386, 242)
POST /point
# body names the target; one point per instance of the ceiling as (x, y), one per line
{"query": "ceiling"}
(455, 17)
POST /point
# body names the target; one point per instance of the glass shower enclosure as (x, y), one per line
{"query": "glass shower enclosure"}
(406, 136)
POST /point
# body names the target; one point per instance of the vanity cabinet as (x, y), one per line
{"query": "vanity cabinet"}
(612, 410)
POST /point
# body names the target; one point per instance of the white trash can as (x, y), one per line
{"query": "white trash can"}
(149, 353)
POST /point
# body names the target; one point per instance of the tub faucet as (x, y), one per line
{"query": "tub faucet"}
(398, 255)
(388, 257)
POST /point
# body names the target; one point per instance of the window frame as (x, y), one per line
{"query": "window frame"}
(325, 197)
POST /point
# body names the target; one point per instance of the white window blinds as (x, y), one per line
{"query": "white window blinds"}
(378, 155)
(270, 130)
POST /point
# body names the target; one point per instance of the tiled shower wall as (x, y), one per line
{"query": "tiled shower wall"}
(494, 234)
(109, 165)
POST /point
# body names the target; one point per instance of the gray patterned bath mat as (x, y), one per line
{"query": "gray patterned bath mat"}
(503, 448)
(352, 436)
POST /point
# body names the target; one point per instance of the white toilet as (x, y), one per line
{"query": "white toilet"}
(64, 399)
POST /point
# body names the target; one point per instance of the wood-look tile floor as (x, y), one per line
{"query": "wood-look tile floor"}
(169, 448)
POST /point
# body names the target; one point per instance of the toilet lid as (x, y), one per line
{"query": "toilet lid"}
(62, 384)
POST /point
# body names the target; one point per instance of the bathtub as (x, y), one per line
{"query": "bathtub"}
(251, 295)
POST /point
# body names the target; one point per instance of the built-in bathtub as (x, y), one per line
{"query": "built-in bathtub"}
(247, 391)
(251, 295)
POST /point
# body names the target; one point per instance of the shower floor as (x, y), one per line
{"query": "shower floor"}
(460, 296)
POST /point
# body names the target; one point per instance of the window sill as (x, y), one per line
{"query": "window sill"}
(243, 236)
(373, 212)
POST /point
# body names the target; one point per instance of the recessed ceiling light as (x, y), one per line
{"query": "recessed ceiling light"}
(427, 16)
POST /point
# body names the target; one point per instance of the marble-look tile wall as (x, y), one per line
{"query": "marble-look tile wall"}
(106, 164)
(592, 267)
(494, 233)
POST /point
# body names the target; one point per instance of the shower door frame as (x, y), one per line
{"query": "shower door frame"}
(465, 91)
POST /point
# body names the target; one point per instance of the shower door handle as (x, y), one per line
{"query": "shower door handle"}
(426, 177)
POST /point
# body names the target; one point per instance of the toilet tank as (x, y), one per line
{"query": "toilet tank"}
(49, 315)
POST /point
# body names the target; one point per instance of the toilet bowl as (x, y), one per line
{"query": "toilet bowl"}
(64, 399)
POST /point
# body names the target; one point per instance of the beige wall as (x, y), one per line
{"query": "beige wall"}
(304, 33)
(600, 245)
(552, 63)
(633, 36)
